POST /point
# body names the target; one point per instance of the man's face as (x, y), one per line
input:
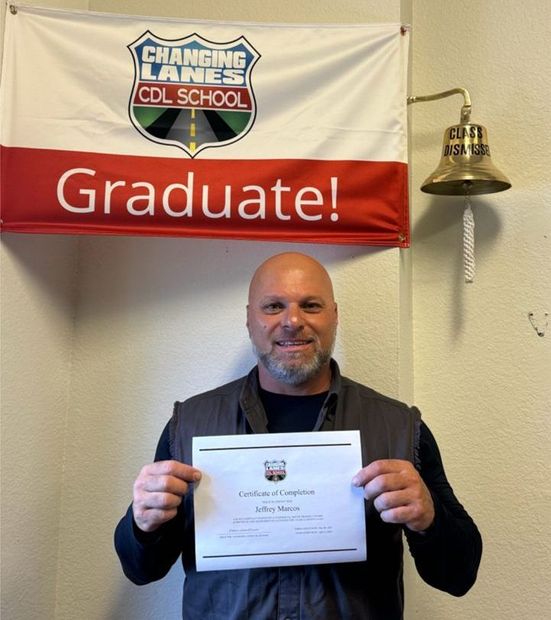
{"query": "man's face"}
(292, 321)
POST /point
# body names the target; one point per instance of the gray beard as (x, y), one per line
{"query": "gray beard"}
(290, 374)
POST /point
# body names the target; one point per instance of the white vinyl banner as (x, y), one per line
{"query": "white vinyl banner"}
(142, 125)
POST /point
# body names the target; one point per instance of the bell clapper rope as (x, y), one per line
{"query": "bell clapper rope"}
(468, 238)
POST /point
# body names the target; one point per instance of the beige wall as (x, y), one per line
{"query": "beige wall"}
(37, 285)
(101, 335)
(482, 374)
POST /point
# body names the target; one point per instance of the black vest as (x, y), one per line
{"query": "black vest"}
(388, 429)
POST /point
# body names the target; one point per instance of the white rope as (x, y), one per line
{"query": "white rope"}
(468, 241)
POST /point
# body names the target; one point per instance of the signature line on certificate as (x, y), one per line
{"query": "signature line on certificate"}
(298, 445)
(242, 555)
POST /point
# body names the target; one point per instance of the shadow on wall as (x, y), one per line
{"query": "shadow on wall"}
(150, 602)
(438, 239)
(47, 261)
(137, 272)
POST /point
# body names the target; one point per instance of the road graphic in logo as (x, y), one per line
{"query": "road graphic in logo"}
(192, 93)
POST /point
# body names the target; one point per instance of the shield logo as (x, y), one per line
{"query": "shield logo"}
(274, 471)
(192, 93)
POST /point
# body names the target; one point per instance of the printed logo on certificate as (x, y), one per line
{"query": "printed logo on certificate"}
(275, 470)
(279, 499)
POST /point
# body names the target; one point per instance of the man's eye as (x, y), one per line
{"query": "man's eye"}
(272, 308)
(312, 306)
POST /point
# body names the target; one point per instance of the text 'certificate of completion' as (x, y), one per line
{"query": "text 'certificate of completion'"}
(278, 499)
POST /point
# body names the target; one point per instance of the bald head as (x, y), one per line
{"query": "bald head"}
(287, 263)
(292, 321)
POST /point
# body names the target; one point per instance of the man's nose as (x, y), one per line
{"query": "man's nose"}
(292, 317)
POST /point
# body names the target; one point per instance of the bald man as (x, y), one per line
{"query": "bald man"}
(296, 386)
(292, 323)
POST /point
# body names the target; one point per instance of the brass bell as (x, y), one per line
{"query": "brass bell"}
(465, 166)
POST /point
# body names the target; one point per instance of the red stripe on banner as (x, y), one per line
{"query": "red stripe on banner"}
(342, 202)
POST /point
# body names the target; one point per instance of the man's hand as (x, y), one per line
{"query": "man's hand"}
(398, 493)
(158, 491)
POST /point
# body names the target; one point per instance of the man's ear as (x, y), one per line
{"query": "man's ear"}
(247, 321)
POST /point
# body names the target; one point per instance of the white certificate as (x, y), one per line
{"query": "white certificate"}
(278, 499)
